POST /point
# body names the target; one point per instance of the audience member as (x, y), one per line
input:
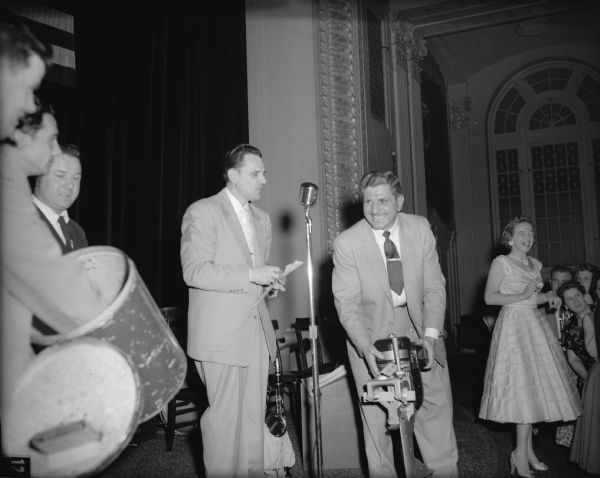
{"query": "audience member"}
(583, 275)
(23, 63)
(527, 377)
(55, 192)
(225, 247)
(558, 276)
(574, 340)
(583, 344)
(374, 298)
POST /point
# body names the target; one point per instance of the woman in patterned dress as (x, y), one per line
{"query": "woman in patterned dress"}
(527, 378)
(581, 342)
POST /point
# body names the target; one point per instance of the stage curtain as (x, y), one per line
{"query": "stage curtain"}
(160, 95)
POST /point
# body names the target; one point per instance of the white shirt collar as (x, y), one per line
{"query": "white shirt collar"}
(394, 230)
(237, 205)
(49, 212)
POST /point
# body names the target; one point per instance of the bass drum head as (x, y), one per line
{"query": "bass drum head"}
(75, 409)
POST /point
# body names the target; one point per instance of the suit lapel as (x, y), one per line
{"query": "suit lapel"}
(259, 239)
(407, 254)
(373, 260)
(234, 223)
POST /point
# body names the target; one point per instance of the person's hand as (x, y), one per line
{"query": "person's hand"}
(370, 357)
(554, 301)
(429, 346)
(265, 275)
(279, 284)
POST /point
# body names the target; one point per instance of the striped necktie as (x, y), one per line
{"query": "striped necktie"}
(394, 264)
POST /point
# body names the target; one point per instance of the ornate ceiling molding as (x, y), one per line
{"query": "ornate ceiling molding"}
(342, 140)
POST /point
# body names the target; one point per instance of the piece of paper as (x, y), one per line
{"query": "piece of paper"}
(291, 267)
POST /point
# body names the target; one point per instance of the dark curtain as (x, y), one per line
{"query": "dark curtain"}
(161, 94)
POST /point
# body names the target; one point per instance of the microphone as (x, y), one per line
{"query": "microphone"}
(308, 194)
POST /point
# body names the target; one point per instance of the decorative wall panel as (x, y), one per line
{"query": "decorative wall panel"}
(341, 124)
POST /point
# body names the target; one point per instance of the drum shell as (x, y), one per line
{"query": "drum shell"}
(83, 380)
(133, 322)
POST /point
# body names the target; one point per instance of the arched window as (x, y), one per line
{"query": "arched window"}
(545, 158)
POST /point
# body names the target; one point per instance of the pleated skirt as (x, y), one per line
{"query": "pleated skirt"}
(527, 378)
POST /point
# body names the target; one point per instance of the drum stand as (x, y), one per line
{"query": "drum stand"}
(396, 390)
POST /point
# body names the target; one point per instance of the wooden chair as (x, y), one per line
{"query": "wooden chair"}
(303, 350)
(188, 400)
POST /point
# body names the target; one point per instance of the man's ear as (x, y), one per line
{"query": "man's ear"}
(399, 202)
(232, 175)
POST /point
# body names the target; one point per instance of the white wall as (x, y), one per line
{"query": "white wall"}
(282, 110)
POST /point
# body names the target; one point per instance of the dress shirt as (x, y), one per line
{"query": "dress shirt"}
(52, 216)
(243, 214)
(398, 300)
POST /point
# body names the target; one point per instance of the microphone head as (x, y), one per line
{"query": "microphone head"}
(308, 194)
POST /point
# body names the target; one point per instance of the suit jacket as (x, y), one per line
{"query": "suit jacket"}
(77, 233)
(216, 261)
(361, 286)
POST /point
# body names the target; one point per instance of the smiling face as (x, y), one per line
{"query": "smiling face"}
(59, 187)
(247, 180)
(522, 237)
(575, 300)
(380, 206)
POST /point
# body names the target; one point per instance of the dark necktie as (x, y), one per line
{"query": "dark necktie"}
(394, 265)
(66, 230)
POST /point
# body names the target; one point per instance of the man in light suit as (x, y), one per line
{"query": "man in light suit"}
(225, 247)
(55, 192)
(369, 310)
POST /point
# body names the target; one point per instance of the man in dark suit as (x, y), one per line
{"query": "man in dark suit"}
(225, 245)
(373, 303)
(55, 192)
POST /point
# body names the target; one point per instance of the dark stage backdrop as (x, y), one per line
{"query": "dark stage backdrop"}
(160, 95)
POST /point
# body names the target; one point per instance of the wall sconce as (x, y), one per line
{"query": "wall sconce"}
(459, 112)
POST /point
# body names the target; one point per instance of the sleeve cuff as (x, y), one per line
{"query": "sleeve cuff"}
(431, 332)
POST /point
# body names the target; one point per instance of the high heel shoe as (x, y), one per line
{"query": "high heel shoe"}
(514, 470)
(539, 466)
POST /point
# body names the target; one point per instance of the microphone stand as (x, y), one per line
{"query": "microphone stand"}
(313, 334)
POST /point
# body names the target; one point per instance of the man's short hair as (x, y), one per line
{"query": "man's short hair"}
(561, 269)
(17, 44)
(31, 123)
(376, 178)
(234, 157)
(70, 150)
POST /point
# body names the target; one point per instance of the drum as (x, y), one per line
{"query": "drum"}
(75, 409)
(133, 322)
(409, 359)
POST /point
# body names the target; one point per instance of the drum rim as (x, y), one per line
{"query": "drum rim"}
(106, 314)
(34, 367)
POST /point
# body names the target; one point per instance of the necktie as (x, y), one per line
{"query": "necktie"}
(394, 265)
(66, 230)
